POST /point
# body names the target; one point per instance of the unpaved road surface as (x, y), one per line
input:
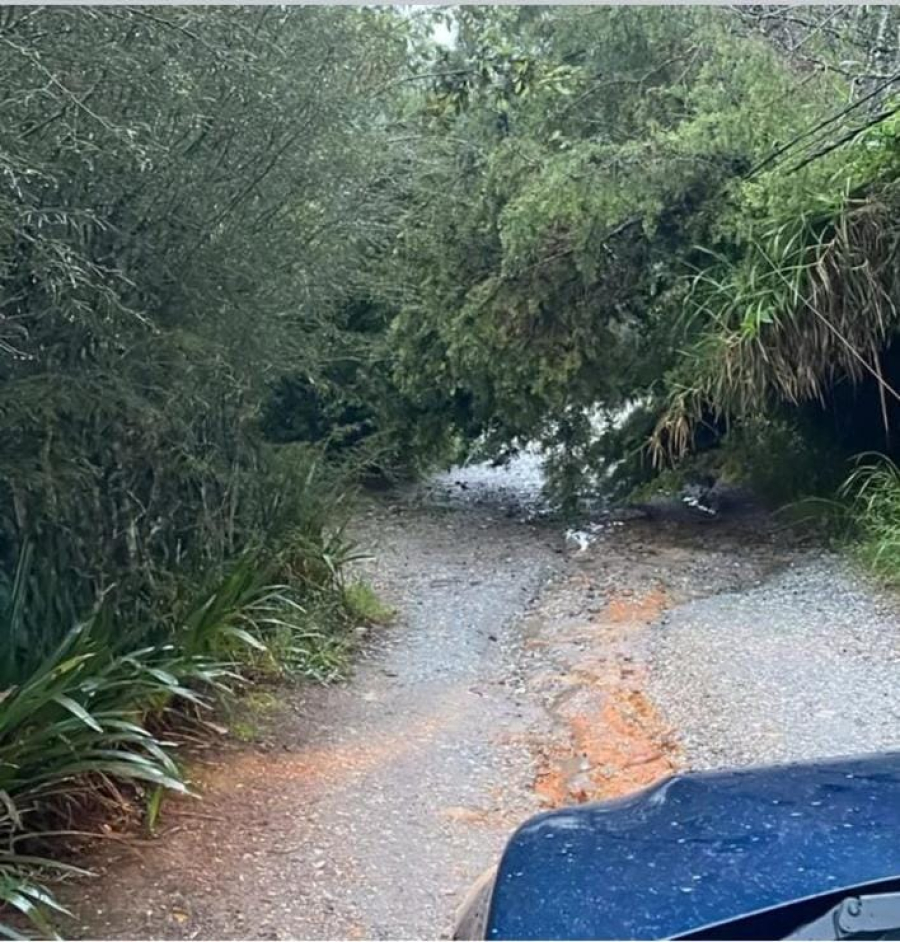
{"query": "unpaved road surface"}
(805, 665)
(382, 799)
(520, 674)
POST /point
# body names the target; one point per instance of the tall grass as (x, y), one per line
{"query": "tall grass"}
(810, 302)
(873, 494)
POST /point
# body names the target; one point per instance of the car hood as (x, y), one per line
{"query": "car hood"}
(697, 849)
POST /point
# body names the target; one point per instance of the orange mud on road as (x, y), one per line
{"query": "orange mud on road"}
(609, 739)
(514, 680)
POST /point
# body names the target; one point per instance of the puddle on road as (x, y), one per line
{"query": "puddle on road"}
(515, 487)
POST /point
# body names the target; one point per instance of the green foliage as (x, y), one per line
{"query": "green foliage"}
(80, 716)
(807, 302)
(686, 207)
(188, 202)
(873, 493)
(175, 186)
(365, 604)
(582, 156)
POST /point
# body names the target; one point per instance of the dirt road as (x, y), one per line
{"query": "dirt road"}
(521, 674)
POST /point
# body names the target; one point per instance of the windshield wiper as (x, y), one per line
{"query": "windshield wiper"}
(868, 910)
(856, 917)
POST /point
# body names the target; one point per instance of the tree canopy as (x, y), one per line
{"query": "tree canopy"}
(639, 205)
(252, 256)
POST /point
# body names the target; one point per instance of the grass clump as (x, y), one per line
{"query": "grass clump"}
(872, 493)
(252, 713)
(365, 605)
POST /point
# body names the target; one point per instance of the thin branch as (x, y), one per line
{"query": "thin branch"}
(78, 102)
(844, 139)
(821, 125)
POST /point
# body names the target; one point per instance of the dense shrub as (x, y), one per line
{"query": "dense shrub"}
(186, 201)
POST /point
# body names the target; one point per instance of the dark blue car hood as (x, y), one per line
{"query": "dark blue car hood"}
(698, 849)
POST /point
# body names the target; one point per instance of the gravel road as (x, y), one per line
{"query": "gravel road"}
(525, 670)
(381, 800)
(804, 665)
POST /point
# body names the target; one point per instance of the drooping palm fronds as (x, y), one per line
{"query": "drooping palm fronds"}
(813, 302)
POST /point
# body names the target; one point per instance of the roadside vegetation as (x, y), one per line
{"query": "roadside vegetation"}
(872, 515)
(251, 258)
(183, 208)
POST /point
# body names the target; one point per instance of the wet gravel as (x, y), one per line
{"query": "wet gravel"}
(372, 805)
(804, 665)
(377, 802)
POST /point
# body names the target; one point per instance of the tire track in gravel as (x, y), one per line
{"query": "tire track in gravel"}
(519, 675)
(381, 799)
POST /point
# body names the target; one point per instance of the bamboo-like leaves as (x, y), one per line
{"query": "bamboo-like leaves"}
(813, 300)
